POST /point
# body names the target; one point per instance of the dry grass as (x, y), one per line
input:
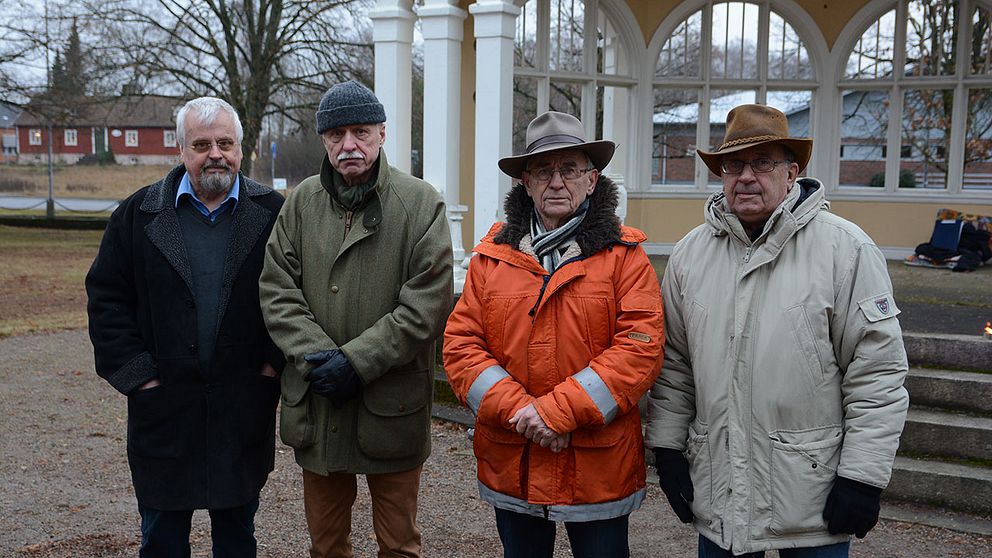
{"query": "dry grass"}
(103, 182)
(41, 279)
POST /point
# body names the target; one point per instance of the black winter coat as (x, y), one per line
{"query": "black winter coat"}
(202, 439)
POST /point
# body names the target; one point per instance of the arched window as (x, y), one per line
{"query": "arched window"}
(918, 118)
(717, 56)
(570, 56)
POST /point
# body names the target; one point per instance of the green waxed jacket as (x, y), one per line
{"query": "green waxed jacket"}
(380, 292)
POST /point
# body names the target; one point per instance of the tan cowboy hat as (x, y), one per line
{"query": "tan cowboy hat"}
(751, 125)
(553, 131)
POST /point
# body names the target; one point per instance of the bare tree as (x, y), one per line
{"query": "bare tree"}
(266, 57)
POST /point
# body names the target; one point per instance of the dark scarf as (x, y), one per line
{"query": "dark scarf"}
(549, 246)
(352, 197)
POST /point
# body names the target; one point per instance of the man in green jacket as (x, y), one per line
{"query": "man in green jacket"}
(356, 287)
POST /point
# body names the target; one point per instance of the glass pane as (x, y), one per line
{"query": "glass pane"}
(787, 56)
(680, 55)
(612, 105)
(871, 57)
(978, 141)
(930, 37)
(674, 123)
(981, 42)
(926, 124)
(796, 106)
(735, 40)
(524, 110)
(525, 41)
(610, 58)
(864, 127)
(566, 97)
(721, 102)
(567, 21)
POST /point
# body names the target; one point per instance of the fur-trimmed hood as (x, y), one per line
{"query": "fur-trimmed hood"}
(599, 229)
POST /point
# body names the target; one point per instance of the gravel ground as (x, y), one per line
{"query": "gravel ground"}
(65, 487)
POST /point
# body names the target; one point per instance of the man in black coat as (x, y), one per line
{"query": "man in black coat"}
(176, 326)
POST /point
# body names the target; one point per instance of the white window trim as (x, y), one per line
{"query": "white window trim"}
(169, 138)
(70, 137)
(34, 136)
(127, 138)
(895, 87)
(816, 47)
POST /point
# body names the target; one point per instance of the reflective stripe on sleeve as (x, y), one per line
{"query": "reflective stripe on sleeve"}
(482, 384)
(596, 388)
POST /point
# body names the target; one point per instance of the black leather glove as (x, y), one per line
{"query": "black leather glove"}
(852, 507)
(673, 476)
(333, 376)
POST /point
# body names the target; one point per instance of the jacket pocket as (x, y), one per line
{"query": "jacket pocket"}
(501, 459)
(700, 471)
(807, 352)
(803, 467)
(160, 420)
(394, 418)
(297, 421)
(609, 461)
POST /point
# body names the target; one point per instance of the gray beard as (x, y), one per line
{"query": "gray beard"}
(212, 185)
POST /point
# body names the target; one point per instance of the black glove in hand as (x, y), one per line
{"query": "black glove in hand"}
(852, 507)
(673, 476)
(333, 376)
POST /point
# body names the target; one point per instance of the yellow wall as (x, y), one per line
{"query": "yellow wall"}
(889, 224)
(830, 16)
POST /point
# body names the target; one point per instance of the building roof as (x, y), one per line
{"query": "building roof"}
(789, 102)
(8, 114)
(136, 111)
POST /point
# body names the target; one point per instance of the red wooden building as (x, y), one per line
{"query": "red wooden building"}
(138, 130)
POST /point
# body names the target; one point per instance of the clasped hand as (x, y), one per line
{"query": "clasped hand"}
(528, 421)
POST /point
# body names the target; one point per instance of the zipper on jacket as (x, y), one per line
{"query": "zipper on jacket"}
(540, 295)
(747, 254)
(347, 223)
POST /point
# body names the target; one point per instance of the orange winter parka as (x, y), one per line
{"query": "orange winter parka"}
(583, 344)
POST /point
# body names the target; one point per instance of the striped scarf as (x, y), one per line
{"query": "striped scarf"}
(549, 245)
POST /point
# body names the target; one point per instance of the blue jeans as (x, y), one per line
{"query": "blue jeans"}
(709, 549)
(528, 536)
(165, 534)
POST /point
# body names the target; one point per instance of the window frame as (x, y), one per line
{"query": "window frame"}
(34, 136)
(70, 137)
(128, 134)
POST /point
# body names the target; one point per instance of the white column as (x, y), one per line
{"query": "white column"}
(494, 32)
(392, 34)
(442, 24)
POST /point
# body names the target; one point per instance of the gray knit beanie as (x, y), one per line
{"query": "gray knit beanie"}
(346, 104)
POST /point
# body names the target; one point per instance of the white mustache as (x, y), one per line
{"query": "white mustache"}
(350, 155)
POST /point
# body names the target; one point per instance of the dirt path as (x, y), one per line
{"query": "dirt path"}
(65, 487)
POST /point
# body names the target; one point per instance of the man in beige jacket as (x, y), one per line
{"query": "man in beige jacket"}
(777, 414)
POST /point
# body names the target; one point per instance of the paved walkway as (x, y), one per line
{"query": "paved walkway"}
(64, 204)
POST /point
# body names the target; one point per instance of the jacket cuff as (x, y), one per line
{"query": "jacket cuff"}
(134, 373)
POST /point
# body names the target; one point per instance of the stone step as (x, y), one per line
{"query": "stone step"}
(950, 389)
(960, 487)
(958, 352)
(934, 432)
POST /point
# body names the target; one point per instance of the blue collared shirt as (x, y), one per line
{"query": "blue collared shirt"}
(231, 201)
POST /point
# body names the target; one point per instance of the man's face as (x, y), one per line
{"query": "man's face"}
(211, 154)
(557, 199)
(752, 196)
(353, 150)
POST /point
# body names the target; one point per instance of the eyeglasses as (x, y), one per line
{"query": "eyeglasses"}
(224, 145)
(567, 173)
(761, 164)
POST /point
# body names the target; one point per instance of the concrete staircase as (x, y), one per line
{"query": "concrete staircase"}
(945, 454)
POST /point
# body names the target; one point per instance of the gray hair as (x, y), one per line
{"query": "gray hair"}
(205, 109)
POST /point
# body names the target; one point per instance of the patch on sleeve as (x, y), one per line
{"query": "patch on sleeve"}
(638, 336)
(879, 307)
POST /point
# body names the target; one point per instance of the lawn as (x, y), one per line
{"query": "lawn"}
(113, 182)
(41, 279)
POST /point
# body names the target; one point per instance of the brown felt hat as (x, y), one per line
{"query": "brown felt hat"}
(553, 131)
(751, 125)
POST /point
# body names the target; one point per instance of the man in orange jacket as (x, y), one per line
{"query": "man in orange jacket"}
(557, 335)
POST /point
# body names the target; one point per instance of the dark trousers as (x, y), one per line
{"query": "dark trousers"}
(709, 549)
(165, 534)
(528, 536)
